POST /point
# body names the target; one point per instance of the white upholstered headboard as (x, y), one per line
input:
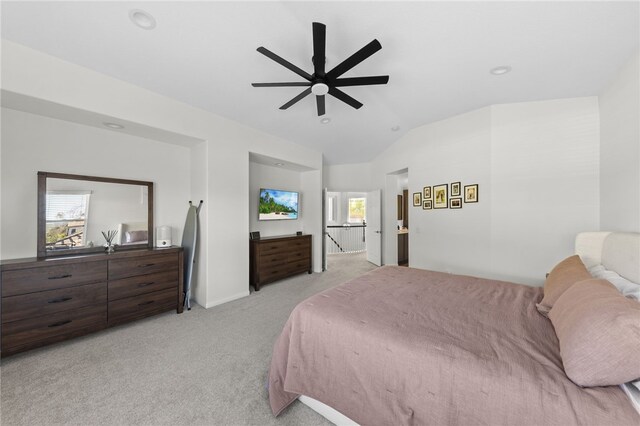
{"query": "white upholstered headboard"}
(616, 251)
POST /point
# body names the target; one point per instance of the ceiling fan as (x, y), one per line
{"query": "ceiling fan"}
(320, 82)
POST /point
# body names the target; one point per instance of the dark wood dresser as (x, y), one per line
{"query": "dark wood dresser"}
(53, 299)
(275, 258)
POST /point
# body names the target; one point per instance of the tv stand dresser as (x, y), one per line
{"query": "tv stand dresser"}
(275, 258)
(48, 300)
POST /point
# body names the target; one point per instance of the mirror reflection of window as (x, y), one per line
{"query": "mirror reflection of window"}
(67, 216)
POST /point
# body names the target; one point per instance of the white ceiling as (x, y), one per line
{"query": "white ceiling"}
(437, 55)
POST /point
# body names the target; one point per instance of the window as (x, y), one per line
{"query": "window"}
(66, 218)
(331, 209)
(357, 209)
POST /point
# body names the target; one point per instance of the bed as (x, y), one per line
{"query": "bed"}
(406, 346)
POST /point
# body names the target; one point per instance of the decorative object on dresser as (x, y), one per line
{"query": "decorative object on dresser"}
(275, 258)
(54, 299)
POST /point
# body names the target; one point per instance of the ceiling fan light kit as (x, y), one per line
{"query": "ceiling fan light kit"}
(321, 83)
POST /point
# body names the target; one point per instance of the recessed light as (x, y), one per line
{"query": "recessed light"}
(503, 69)
(142, 19)
(395, 128)
(279, 164)
(113, 125)
(325, 120)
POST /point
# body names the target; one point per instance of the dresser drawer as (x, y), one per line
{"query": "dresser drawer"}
(43, 329)
(125, 268)
(273, 259)
(127, 287)
(273, 272)
(273, 247)
(299, 265)
(131, 308)
(299, 255)
(25, 306)
(24, 281)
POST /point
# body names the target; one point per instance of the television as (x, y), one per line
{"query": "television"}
(275, 204)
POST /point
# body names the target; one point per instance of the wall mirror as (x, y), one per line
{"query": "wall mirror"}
(74, 210)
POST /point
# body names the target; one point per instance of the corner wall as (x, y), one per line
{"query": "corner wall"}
(224, 249)
(620, 151)
(32, 143)
(537, 167)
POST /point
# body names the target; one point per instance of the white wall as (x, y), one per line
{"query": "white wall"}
(32, 143)
(620, 151)
(31, 73)
(270, 177)
(311, 184)
(544, 183)
(348, 177)
(537, 169)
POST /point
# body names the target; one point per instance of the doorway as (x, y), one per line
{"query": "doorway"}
(350, 236)
(398, 202)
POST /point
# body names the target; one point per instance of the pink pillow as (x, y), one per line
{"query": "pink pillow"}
(599, 334)
(562, 276)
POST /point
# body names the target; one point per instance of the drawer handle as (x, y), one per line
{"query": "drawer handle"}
(145, 284)
(58, 324)
(146, 265)
(145, 303)
(60, 277)
(60, 300)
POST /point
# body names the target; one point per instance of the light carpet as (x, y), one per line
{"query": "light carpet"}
(206, 366)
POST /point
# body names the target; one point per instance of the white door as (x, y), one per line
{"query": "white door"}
(324, 229)
(373, 233)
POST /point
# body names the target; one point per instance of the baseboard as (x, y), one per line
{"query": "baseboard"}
(227, 299)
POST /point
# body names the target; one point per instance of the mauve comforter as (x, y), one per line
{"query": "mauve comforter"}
(407, 346)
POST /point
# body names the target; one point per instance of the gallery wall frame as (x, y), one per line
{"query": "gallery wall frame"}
(455, 189)
(440, 196)
(417, 199)
(471, 193)
(426, 193)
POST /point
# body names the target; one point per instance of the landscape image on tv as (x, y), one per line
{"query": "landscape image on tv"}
(277, 205)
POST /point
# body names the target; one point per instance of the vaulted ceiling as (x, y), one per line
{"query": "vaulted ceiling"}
(438, 56)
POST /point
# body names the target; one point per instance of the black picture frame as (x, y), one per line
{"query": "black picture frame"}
(426, 193)
(471, 193)
(455, 189)
(455, 203)
(417, 199)
(427, 204)
(440, 196)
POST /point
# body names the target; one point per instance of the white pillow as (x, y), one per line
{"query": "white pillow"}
(626, 287)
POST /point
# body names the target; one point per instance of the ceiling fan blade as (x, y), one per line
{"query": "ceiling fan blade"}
(296, 99)
(354, 59)
(269, 54)
(319, 46)
(320, 103)
(337, 93)
(281, 84)
(361, 81)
